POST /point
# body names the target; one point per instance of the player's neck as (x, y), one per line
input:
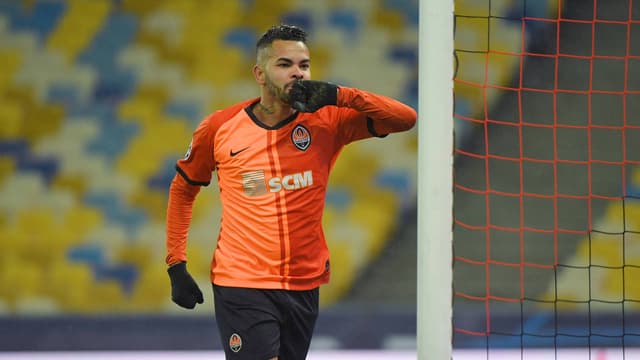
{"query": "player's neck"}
(272, 113)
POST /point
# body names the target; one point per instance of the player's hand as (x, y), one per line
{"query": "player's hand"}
(311, 95)
(184, 290)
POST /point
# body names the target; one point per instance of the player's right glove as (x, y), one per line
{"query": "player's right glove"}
(311, 95)
(184, 290)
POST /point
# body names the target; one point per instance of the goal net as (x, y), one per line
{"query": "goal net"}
(546, 238)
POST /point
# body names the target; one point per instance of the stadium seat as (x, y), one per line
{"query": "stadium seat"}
(73, 299)
(152, 292)
(10, 62)
(78, 26)
(108, 297)
(7, 168)
(343, 272)
(20, 280)
(12, 115)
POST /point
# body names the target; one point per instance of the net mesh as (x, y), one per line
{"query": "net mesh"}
(547, 174)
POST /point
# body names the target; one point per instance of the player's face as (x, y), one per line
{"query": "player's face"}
(288, 61)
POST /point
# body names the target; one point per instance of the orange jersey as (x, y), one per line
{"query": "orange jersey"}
(272, 183)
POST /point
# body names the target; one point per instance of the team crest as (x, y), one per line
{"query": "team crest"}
(188, 153)
(235, 342)
(301, 137)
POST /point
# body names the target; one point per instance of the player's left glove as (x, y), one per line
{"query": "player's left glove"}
(311, 95)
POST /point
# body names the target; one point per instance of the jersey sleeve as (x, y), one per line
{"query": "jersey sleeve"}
(362, 114)
(198, 163)
(179, 213)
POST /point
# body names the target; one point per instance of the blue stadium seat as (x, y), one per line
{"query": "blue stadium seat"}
(41, 18)
(47, 167)
(406, 7)
(162, 180)
(115, 35)
(243, 38)
(346, 20)
(114, 138)
(299, 18)
(190, 110)
(115, 210)
(125, 274)
(16, 148)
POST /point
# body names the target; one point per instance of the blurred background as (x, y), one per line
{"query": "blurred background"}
(98, 99)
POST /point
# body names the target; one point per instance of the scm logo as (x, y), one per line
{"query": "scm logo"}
(291, 182)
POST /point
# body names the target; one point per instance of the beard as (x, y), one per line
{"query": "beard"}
(278, 92)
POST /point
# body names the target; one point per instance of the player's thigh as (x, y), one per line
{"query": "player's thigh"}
(297, 329)
(248, 326)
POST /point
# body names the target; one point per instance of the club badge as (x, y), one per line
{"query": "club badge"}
(301, 137)
(235, 342)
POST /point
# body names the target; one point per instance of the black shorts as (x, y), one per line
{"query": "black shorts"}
(258, 324)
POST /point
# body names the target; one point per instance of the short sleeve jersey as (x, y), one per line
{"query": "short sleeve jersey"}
(272, 183)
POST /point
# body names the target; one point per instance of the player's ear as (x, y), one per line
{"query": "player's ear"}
(258, 74)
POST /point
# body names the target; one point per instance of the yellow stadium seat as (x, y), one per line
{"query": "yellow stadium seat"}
(153, 202)
(139, 7)
(632, 215)
(266, 13)
(330, 216)
(472, 8)
(175, 133)
(79, 221)
(107, 296)
(145, 107)
(139, 255)
(377, 214)
(388, 19)
(351, 158)
(343, 273)
(70, 285)
(42, 120)
(607, 250)
(77, 28)
(219, 66)
(179, 7)
(207, 199)
(10, 63)
(152, 290)
(144, 111)
(199, 259)
(19, 279)
(147, 151)
(9, 242)
(73, 184)
(12, 115)
(632, 286)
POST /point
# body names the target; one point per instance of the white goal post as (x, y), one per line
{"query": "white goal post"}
(435, 180)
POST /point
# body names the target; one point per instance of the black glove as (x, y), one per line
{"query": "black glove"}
(184, 290)
(310, 95)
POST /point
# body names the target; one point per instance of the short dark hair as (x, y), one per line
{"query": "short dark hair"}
(281, 32)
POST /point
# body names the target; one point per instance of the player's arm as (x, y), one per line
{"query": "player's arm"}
(193, 171)
(184, 290)
(387, 115)
(182, 195)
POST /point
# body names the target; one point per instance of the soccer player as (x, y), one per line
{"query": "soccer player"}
(272, 156)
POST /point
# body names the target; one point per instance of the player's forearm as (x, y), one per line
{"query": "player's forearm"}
(179, 212)
(389, 115)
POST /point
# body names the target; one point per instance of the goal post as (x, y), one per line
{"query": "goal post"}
(435, 180)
